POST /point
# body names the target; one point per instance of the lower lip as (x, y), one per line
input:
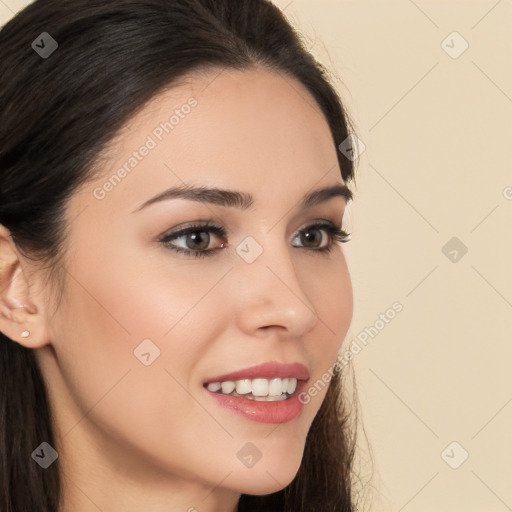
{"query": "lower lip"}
(282, 411)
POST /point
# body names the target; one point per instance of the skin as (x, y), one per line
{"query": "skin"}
(133, 437)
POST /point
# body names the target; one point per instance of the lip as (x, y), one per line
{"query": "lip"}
(263, 412)
(265, 371)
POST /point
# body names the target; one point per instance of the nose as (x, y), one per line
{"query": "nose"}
(270, 296)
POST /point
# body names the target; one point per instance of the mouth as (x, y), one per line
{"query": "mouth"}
(268, 382)
(261, 390)
(279, 408)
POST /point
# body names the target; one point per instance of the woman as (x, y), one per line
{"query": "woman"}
(174, 290)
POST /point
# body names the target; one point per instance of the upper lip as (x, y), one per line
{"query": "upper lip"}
(265, 371)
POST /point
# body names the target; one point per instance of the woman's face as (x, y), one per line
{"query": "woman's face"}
(142, 327)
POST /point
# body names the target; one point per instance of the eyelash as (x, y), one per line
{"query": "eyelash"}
(331, 229)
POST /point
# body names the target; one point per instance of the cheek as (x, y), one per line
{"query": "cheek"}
(127, 304)
(337, 303)
(136, 293)
(107, 313)
(333, 299)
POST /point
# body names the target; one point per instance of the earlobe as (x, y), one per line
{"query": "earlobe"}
(25, 333)
(20, 318)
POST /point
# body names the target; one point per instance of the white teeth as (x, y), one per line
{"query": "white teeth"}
(260, 387)
(273, 388)
(228, 387)
(243, 386)
(214, 386)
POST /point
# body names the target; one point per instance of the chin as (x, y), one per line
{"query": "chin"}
(268, 478)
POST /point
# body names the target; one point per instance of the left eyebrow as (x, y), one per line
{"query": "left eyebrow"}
(242, 200)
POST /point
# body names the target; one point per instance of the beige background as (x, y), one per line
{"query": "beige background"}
(438, 134)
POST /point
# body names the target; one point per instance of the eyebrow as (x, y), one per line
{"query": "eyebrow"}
(242, 200)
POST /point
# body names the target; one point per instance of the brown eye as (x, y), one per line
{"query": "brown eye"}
(312, 237)
(195, 240)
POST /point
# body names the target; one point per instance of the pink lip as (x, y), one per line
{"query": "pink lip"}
(265, 371)
(263, 412)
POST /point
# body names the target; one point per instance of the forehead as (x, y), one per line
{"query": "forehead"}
(255, 130)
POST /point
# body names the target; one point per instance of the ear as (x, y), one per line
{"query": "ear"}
(22, 310)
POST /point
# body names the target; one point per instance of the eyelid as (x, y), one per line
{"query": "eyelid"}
(210, 225)
(336, 236)
(192, 226)
(319, 221)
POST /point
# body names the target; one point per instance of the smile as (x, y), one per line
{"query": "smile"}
(274, 389)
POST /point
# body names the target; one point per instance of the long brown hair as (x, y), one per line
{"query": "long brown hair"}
(58, 113)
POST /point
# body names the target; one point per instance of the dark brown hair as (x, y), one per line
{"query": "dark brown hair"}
(58, 113)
